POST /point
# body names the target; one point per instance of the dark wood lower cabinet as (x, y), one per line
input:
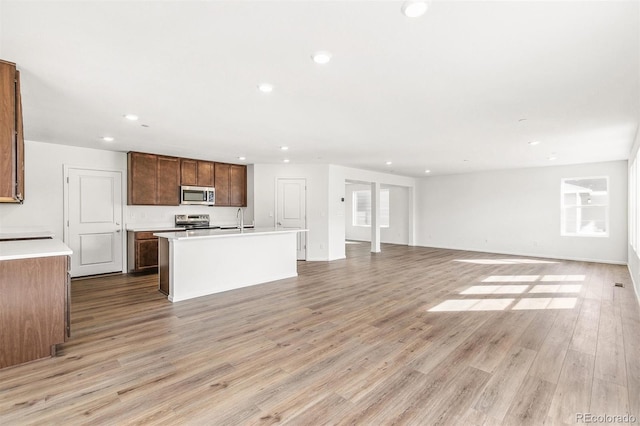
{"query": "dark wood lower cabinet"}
(33, 308)
(146, 254)
(143, 250)
(163, 265)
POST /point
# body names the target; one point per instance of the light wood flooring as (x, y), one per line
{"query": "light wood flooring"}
(412, 335)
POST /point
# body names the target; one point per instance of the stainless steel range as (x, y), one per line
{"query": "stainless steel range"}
(194, 221)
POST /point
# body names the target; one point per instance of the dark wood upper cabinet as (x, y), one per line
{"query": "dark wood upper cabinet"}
(188, 172)
(196, 172)
(222, 184)
(19, 143)
(142, 180)
(168, 181)
(206, 174)
(156, 179)
(231, 185)
(238, 185)
(153, 180)
(11, 136)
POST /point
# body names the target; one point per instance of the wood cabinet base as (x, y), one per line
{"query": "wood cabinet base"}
(32, 308)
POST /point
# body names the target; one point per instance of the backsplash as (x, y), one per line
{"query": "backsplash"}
(165, 215)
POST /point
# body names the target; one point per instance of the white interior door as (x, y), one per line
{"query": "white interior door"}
(94, 218)
(291, 210)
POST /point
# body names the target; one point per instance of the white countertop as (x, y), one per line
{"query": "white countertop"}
(168, 228)
(217, 233)
(151, 227)
(25, 249)
(15, 232)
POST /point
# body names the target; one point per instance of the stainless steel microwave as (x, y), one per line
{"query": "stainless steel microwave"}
(201, 195)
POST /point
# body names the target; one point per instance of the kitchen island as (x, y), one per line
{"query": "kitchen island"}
(196, 263)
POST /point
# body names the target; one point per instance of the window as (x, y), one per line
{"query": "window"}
(362, 208)
(585, 206)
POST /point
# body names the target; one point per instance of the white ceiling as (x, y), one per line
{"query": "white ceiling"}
(425, 93)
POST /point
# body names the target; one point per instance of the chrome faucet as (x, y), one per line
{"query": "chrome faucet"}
(241, 213)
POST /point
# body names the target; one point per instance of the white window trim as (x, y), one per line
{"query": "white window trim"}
(354, 209)
(563, 232)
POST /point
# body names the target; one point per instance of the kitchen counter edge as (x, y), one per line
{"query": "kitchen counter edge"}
(218, 233)
(26, 249)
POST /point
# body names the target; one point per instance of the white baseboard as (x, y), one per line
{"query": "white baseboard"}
(635, 286)
(541, 256)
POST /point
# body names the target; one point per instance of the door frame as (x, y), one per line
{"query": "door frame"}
(123, 201)
(306, 207)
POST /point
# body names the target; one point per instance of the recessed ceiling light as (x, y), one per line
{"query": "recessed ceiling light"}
(242, 158)
(286, 160)
(131, 117)
(388, 163)
(107, 139)
(552, 158)
(265, 87)
(534, 143)
(321, 57)
(284, 148)
(427, 171)
(414, 9)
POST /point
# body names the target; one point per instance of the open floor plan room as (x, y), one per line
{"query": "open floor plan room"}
(411, 335)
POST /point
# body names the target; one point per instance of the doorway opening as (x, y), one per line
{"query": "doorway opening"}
(393, 218)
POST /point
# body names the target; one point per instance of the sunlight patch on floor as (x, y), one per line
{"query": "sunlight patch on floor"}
(562, 278)
(472, 305)
(496, 289)
(527, 303)
(511, 279)
(556, 288)
(531, 292)
(503, 261)
(530, 303)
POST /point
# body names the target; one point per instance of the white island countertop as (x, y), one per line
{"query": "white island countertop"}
(200, 262)
(218, 233)
(25, 249)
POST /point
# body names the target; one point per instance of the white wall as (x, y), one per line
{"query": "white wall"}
(264, 189)
(43, 205)
(398, 230)
(518, 212)
(1, 27)
(633, 259)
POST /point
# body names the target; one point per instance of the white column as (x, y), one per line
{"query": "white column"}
(375, 217)
(411, 207)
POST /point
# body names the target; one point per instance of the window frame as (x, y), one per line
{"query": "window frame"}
(563, 210)
(354, 207)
